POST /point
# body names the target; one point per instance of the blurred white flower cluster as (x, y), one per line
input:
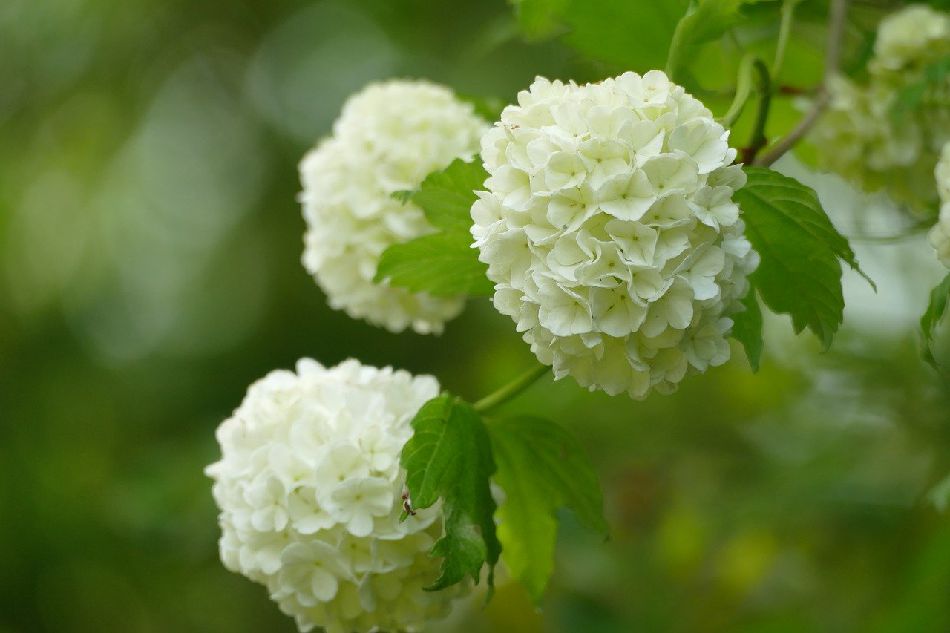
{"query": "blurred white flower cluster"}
(940, 233)
(389, 137)
(887, 134)
(310, 491)
(909, 39)
(610, 231)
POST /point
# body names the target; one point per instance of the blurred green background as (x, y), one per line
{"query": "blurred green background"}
(149, 272)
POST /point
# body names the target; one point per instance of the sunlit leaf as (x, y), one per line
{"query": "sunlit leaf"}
(442, 263)
(446, 196)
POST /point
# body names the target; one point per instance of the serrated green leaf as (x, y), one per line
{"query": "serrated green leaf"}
(446, 196)
(800, 272)
(936, 308)
(440, 264)
(747, 329)
(449, 457)
(541, 468)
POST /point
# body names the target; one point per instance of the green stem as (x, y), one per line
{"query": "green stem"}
(836, 22)
(743, 91)
(784, 31)
(764, 89)
(512, 389)
(672, 57)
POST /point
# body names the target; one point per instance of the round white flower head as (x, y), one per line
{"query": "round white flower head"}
(310, 491)
(911, 37)
(940, 233)
(387, 139)
(872, 133)
(610, 232)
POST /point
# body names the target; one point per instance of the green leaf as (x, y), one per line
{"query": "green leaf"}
(449, 457)
(705, 21)
(446, 196)
(541, 468)
(800, 272)
(747, 329)
(441, 264)
(939, 300)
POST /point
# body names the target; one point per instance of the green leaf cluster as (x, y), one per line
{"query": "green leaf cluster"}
(453, 455)
(442, 263)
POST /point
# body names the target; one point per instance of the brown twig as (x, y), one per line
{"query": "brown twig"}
(836, 20)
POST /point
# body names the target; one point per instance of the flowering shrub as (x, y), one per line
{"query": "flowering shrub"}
(612, 223)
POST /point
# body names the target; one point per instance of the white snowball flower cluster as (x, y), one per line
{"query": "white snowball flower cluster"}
(310, 491)
(389, 137)
(910, 38)
(864, 139)
(940, 233)
(610, 231)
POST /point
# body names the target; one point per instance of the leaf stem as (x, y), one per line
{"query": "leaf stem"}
(512, 389)
(672, 57)
(836, 20)
(743, 91)
(784, 31)
(763, 86)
